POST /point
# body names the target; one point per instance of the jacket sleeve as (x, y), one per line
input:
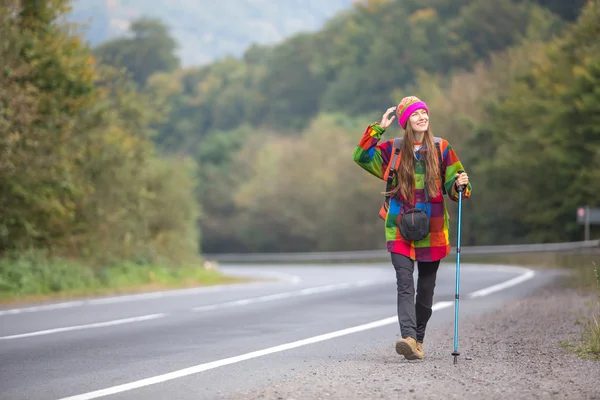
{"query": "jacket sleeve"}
(452, 165)
(371, 155)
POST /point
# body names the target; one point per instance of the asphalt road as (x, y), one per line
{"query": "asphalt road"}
(208, 342)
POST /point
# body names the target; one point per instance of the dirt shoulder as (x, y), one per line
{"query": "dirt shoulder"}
(516, 352)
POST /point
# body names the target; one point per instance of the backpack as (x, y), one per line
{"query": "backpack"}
(392, 170)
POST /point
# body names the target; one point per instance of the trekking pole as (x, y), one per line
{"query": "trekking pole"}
(455, 353)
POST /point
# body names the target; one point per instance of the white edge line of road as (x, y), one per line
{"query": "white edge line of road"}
(501, 286)
(286, 295)
(152, 295)
(293, 279)
(232, 360)
(210, 307)
(87, 326)
(528, 274)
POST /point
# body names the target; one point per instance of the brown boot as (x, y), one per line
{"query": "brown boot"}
(407, 347)
(419, 351)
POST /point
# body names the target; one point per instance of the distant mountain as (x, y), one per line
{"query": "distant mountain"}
(208, 29)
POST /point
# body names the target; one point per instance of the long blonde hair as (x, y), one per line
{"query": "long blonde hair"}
(406, 169)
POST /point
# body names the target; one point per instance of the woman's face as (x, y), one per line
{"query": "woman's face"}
(419, 121)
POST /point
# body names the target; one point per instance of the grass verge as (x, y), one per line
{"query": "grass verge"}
(32, 277)
(590, 345)
(584, 276)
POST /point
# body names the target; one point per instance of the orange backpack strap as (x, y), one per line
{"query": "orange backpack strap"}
(393, 165)
(438, 145)
(390, 173)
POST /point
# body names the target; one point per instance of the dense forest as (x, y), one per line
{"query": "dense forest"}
(206, 30)
(272, 131)
(116, 152)
(81, 180)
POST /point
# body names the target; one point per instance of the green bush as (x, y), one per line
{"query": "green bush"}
(35, 274)
(590, 345)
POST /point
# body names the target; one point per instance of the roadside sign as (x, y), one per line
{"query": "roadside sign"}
(588, 216)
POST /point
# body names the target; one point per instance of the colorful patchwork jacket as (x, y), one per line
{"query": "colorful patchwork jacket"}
(374, 158)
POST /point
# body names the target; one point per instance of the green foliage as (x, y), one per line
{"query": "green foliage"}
(46, 82)
(270, 134)
(589, 345)
(36, 275)
(590, 340)
(209, 30)
(291, 82)
(150, 49)
(540, 142)
(568, 10)
(245, 204)
(490, 26)
(219, 177)
(127, 213)
(244, 120)
(79, 175)
(33, 272)
(204, 40)
(280, 193)
(171, 211)
(352, 65)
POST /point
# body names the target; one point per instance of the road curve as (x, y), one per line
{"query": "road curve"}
(211, 342)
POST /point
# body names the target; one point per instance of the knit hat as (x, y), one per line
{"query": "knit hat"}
(407, 106)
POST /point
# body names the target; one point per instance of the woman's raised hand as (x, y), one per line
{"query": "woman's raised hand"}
(388, 117)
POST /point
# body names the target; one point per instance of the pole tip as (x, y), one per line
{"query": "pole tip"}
(455, 354)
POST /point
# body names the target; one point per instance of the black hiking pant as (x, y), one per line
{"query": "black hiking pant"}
(414, 315)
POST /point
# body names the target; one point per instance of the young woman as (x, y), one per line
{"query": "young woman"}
(417, 194)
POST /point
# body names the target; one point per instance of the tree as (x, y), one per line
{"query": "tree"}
(568, 10)
(78, 172)
(151, 49)
(542, 141)
(46, 82)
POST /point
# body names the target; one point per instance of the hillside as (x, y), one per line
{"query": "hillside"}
(113, 181)
(207, 29)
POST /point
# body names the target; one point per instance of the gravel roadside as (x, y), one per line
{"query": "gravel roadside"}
(513, 353)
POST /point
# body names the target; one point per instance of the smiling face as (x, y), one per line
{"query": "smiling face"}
(419, 120)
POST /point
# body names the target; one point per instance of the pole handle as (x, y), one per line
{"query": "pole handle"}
(460, 188)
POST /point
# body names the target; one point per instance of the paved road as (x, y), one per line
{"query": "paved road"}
(203, 343)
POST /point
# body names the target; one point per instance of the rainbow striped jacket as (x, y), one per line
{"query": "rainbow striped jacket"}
(374, 158)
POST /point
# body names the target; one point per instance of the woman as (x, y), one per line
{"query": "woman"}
(417, 184)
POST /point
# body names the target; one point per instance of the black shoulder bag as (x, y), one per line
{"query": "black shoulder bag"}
(414, 223)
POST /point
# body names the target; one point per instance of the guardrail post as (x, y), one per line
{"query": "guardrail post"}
(587, 224)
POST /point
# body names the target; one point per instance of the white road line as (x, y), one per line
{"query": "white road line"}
(181, 292)
(145, 296)
(285, 295)
(504, 285)
(283, 347)
(232, 360)
(42, 308)
(88, 326)
(277, 296)
(243, 302)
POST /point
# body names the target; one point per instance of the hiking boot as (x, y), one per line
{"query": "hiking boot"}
(419, 351)
(407, 347)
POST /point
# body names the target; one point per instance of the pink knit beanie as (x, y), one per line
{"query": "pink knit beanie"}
(407, 106)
